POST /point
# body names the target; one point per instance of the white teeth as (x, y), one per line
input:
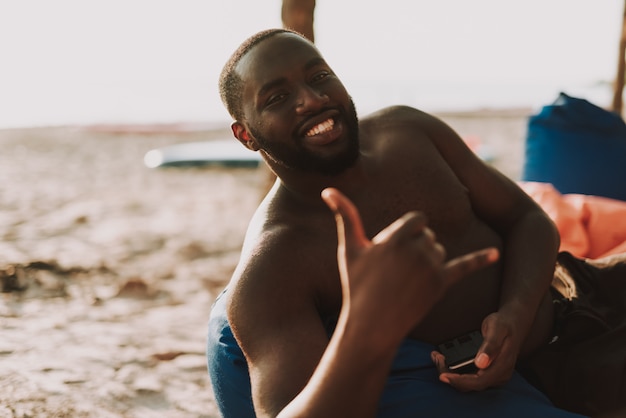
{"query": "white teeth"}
(325, 126)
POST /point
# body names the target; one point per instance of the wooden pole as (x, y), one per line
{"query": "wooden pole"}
(298, 15)
(621, 68)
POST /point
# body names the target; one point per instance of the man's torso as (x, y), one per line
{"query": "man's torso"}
(404, 172)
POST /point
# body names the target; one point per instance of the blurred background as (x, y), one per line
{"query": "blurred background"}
(113, 266)
(157, 61)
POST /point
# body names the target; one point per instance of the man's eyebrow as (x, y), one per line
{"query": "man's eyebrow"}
(270, 85)
(277, 82)
(314, 62)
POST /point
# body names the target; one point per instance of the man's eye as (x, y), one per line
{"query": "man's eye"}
(275, 98)
(321, 75)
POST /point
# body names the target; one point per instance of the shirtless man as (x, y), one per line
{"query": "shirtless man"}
(285, 297)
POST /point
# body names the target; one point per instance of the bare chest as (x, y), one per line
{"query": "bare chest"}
(426, 184)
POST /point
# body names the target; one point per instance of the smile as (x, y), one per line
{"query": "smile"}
(321, 128)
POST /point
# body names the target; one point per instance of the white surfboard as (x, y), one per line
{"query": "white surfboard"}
(225, 152)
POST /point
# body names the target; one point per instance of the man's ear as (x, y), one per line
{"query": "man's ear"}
(241, 133)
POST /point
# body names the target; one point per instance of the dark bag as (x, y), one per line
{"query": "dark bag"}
(578, 148)
(584, 369)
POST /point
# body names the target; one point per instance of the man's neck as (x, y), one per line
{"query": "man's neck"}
(307, 186)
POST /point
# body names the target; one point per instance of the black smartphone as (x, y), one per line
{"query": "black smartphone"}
(461, 351)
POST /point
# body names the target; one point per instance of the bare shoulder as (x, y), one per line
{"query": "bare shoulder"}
(265, 272)
(276, 281)
(404, 126)
(402, 120)
(273, 308)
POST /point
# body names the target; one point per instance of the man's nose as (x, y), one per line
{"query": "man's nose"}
(310, 99)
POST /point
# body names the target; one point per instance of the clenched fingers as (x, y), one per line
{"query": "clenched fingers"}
(466, 264)
(408, 226)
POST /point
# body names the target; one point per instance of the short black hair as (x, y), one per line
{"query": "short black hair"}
(230, 84)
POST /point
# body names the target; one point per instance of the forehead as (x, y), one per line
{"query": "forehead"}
(275, 56)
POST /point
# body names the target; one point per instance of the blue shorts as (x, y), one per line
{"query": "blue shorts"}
(412, 390)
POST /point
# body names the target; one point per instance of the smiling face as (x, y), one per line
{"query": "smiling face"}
(294, 107)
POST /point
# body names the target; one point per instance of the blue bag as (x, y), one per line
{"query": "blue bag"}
(578, 148)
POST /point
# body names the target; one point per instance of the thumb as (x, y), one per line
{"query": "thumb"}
(350, 232)
(493, 341)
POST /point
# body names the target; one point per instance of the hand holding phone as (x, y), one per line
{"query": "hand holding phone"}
(460, 352)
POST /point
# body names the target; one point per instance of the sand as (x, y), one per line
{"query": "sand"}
(108, 268)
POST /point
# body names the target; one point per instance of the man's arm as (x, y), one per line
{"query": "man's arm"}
(530, 246)
(377, 313)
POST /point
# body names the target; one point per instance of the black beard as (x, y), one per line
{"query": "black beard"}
(301, 159)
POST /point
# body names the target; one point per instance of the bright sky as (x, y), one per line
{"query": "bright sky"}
(64, 61)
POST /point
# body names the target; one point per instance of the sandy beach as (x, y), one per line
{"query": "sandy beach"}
(108, 268)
